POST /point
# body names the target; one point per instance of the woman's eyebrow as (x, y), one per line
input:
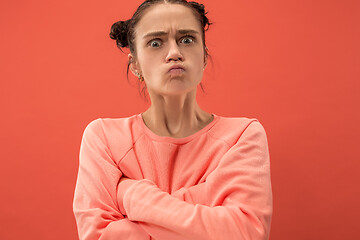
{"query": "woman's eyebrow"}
(162, 33)
(186, 31)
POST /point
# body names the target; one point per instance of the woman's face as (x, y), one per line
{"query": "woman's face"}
(169, 35)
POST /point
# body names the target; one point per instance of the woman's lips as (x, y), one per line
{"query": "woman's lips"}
(176, 69)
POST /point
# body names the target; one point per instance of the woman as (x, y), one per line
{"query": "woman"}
(174, 171)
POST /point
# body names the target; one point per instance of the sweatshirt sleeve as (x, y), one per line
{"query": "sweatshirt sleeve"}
(95, 204)
(238, 195)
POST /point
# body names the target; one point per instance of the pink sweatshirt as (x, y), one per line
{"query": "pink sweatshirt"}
(214, 184)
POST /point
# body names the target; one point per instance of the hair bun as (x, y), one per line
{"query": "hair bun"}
(118, 32)
(200, 7)
(201, 10)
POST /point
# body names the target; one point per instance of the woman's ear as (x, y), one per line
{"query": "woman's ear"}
(205, 62)
(205, 58)
(134, 66)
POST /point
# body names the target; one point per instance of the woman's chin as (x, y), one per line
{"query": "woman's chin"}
(181, 90)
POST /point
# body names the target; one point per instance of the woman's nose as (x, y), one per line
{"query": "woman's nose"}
(174, 53)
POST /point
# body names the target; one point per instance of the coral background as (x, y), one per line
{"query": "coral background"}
(294, 65)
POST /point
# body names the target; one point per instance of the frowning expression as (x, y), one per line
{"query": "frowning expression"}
(169, 49)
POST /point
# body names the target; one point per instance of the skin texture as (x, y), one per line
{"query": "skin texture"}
(174, 111)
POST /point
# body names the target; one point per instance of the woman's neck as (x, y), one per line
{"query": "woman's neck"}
(176, 116)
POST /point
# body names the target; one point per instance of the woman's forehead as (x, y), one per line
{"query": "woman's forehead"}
(167, 18)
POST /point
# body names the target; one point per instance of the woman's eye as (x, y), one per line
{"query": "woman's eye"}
(187, 40)
(155, 43)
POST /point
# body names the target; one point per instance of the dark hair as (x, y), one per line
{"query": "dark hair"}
(123, 31)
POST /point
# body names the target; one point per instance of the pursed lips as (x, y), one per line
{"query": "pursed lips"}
(176, 69)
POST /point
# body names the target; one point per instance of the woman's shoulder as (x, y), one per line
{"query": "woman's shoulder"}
(119, 134)
(107, 124)
(236, 123)
(230, 129)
